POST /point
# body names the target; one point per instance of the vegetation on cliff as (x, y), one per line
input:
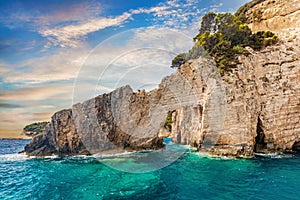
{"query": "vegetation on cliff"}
(35, 128)
(169, 122)
(224, 37)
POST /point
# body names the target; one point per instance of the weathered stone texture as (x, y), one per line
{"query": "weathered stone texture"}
(254, 108)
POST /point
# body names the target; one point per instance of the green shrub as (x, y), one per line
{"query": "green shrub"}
(257, 15)
(168, 122)
(207, 22)
(238, 49)
(223, 37)
(179, 60)
(37, 127)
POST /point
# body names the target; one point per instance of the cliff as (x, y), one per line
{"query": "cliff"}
(279, 16)
(254, 108)
(99, 125)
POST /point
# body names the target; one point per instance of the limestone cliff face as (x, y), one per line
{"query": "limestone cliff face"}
(279, 16)
(59, 137)
(99, 125)
(261, 112)
(263, 104)
(256, 108)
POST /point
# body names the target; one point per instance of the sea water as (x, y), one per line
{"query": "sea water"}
(191, 176)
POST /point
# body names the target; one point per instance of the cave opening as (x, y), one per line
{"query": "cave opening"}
(169, 121)
(260, 144)
(296, 146)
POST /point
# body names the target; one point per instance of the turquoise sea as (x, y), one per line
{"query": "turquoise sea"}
(192, 176)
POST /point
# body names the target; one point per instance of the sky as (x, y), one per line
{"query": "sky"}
(56, 53)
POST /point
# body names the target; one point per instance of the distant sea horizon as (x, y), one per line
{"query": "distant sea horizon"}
(14, 138)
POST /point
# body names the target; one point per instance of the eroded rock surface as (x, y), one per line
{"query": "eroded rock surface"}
(279, 16)
(99, 125)
(254, 108)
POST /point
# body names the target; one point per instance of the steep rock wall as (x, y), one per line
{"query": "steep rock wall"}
(99, 125)
(255, 108)
(279, 16)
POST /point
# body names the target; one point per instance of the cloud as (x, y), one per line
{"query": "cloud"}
(34, 104)
(159, 10)
(76, 12)
(172, 14)
(50, 78)
(70, 34)
(9, 105)
(23, 106)
(17, 119)
(18, 14)
(142, 58)
(67, 26)
(182, 15)
(10, 133)
(62, 64)
(49, 92)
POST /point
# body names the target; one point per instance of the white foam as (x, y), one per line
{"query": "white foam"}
(215, 157)
(52, 157)
(113, 155)
(13, 157)
(187, 146)
(274, 155)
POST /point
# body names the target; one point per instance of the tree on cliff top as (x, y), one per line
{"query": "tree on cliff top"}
(223, 37)
(35, 128)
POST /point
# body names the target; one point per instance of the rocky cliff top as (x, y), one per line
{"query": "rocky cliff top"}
(279, 16)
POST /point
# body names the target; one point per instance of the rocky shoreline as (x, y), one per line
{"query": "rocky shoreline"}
(253, 109)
